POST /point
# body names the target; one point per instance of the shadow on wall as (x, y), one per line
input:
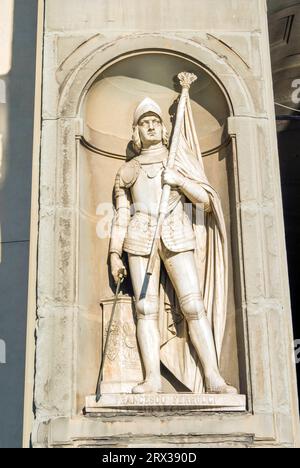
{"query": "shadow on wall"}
(284, 29)
(289, 154)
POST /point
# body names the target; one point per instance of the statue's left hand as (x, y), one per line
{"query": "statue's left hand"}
(118, 269)
(173, 178)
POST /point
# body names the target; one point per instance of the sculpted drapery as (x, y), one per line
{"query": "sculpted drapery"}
(177, 352)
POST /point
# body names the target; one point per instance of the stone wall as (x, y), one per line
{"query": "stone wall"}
(227, 39)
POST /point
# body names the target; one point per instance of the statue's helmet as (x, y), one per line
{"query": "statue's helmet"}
(145, 107)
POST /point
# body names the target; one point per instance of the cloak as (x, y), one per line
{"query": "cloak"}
(211, 254)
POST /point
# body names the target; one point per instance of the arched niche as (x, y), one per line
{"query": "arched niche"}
(106, 113)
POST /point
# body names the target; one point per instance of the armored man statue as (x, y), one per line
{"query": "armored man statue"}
(181, 307)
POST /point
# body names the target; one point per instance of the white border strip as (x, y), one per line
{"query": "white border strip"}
(31, 309)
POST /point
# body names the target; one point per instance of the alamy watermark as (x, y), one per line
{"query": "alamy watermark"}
(293, 97)
(2, 352)
(297, 351)
(143, 217)
(296, 93)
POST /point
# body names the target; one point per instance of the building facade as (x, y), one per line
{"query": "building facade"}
(66, 125)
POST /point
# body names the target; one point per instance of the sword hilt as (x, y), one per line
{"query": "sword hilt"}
(122, 274)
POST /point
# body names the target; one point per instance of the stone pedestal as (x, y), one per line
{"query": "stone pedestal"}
(165, 402)
(122, 369)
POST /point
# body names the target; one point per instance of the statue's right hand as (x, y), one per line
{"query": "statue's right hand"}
(118, 269)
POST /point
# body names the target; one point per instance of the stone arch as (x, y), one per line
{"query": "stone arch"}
(89, 60)
(59, 226)
(90, 299)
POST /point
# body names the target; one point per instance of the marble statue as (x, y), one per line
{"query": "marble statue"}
(181, 306)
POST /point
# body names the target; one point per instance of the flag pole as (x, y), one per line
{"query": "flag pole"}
(186, 80)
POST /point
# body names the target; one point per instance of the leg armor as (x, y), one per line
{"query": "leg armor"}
(192, 306)
(147, 308)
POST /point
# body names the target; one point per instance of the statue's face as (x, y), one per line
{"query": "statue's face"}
(150, 129)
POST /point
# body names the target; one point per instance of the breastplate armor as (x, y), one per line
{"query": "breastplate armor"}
(145, 184)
